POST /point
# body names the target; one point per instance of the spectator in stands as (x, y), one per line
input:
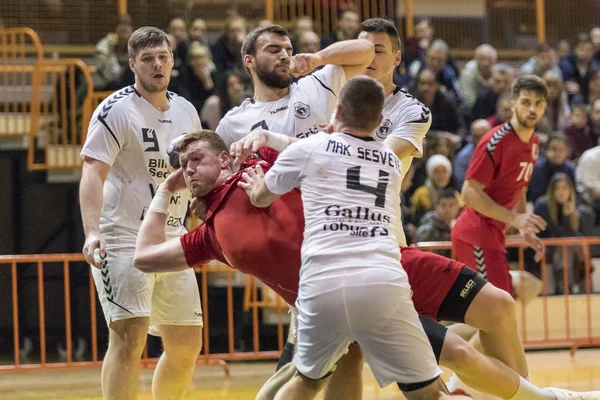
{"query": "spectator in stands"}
(230, 93)
(559, 209)
(436, 58)
(308, 42)
(577, 68)
(435, 226)
(461, 162)
(227, 51)
(503, 110)
(178, 29)
(593, 90)
(587, 176)
(196, 80)
(111, 57)
(485, 105)
(198, 31)
(557, 113)
(542, 62)
(439, 172)
(348, 27)
(443, 111)
(579, 133)
(476, 76)
(595, 36)
(299, 26)
(555, 161)
(595, 119)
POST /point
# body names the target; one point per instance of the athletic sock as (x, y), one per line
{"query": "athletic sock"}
(528, 391)
(287, 355)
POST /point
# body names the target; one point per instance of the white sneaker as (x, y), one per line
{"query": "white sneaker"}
(563, 394)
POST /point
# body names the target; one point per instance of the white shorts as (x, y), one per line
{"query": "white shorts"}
(170, 298)
(372, 307)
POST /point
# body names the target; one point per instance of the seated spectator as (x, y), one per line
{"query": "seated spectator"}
(436, 59)
(299, 26)
(196, 81)
(461, 162)
(544, 61)
(557, 113)
(416, 46)
(476, 76)
(485, 105)
(595, 37)
(230, 93)
(198, 31)
(504, 110)
(227, 51)
(178, 29)
(595, 119)
(555, 161)
(348, 27)
(308, 42)
(579, 133)
(435, 226)
(111, 57)
(587, 175)
(444, 114)
(439, 172)
(559, 209)
(593, 91)
(577, 68)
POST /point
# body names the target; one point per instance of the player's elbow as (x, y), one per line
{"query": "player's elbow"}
(143, 262)
(468, 194)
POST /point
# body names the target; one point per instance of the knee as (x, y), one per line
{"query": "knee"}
(128, 336)
(457, 355)
(503, 311)
(184, 346)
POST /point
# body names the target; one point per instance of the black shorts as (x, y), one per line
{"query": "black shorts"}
(436, 333)
(461, 295)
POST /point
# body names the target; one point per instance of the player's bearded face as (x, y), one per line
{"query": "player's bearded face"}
(152, 68)
(279, 76)
(529, 108)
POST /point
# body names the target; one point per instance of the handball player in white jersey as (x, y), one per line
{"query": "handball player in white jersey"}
(350, 270)
(124, 162)
(281, 103)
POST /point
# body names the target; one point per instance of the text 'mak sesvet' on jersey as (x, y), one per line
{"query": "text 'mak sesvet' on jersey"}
(350, 189)
(309, 103)
(129, 134)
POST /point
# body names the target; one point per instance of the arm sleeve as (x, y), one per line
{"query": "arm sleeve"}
(200, 246)
(287, 171)
(483, 164)
(107, 134)
(324, 85)
(413, 127)
(223, 131)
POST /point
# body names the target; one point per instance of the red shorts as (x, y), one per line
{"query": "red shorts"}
(431, 277)
(491, 264)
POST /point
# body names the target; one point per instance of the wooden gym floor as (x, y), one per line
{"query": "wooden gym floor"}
(549, 368)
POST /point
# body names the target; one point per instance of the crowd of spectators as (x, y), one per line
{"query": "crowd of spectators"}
(466, 101)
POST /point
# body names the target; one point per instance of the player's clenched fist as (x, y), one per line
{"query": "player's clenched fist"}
(529, 223)
(92, 243)
(304, 63)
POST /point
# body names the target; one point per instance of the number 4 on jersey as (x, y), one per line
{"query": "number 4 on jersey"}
(353, 183)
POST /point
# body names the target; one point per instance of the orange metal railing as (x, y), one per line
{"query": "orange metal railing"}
(576, 327)
(20, 50)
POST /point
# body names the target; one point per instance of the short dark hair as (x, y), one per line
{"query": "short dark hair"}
(579, 107)
(380, 25)
(559, 137)
(531, 83)
(361, 101)
(205, 135)
(249, 43)
(583, 38)
(447, 193)
(543, 48)
(144, 37)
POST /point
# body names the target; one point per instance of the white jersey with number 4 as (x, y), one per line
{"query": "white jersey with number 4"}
(351, 193)
(309, 103)
(129, 134)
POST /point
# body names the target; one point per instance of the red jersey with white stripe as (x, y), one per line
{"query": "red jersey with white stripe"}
(503, 164)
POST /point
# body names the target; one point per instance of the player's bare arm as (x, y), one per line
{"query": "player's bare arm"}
(402, 148)
(474, 196)
(243, 148)
(532, 240)
(254, 185)
(353, 55)
(90, 197)
(153, 252)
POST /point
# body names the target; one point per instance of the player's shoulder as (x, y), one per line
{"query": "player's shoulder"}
(180, 102)
(238, 111)
(406, 108)
(497, 137)
(117, 104)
